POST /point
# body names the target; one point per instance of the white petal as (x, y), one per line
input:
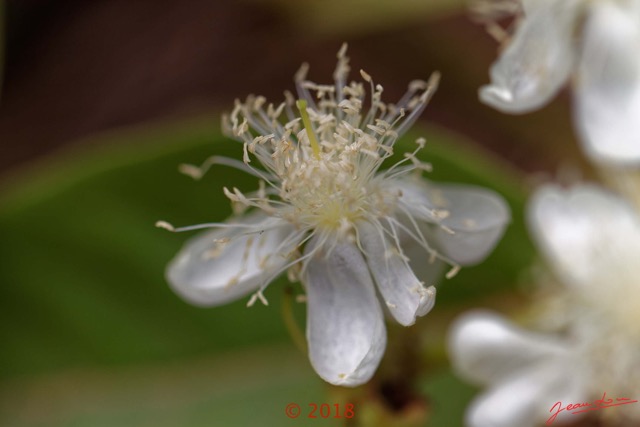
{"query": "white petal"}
(485, 348)
(607, 92)
(405, 296)
(537, 61)
(478, 218)
(526, 399)
(426, 268)
(591, 236)
(475, 217)
(206, 272)
(345, 326)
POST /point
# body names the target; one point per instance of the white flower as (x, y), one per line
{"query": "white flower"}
(327, 213)
(596, 42)
(592, 239)
(526, 373)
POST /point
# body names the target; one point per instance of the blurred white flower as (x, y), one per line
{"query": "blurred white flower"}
(526, 373)
(592, 239)
(328, 215)
(596, 42)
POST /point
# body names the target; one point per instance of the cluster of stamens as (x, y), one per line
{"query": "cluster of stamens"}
(319, 164)
(321, 153)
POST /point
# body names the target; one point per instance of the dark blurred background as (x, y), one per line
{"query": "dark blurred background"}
(74, 68)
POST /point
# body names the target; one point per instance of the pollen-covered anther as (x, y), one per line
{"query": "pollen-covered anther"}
(419, 289)
(275, 113)
(447, 229)
(190, 170)
(216, 250)
(351, 106)
(255, 297)
(440, 213)
(452, 272)
(427, 167)
(370, 153)
(242, 128)
(165, 225)
(377, 129)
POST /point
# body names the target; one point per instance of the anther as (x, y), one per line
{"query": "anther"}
(165, 225)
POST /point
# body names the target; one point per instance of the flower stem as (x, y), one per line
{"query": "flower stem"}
(290, 322)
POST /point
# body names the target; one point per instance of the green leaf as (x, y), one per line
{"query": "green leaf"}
(81, 263)
(241, 388)
(448, 398)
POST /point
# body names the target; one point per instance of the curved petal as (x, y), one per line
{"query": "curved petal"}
(527, 399)
(345, 325)
(405, 296)
(220, 266)
(485, 348)
(426, 268)
(478, 218)
(607, 92)
(537, 61)
(589, 235)
(471, 219)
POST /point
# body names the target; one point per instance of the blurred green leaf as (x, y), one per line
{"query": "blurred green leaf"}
(82, 264)
(242, 388)
(448, 399)
(81, 268)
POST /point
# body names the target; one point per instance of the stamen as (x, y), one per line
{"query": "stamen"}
(165, 225)
(451, 273)
(257, 296)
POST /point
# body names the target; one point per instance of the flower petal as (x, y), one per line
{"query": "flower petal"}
(478, 218)
(405, 296)
(527, 398)
(607, 91)
(208, 271)
(345, 325)
(589, 235)
(485, 348)
(537, 61)
(471, 219)
(427, 269)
